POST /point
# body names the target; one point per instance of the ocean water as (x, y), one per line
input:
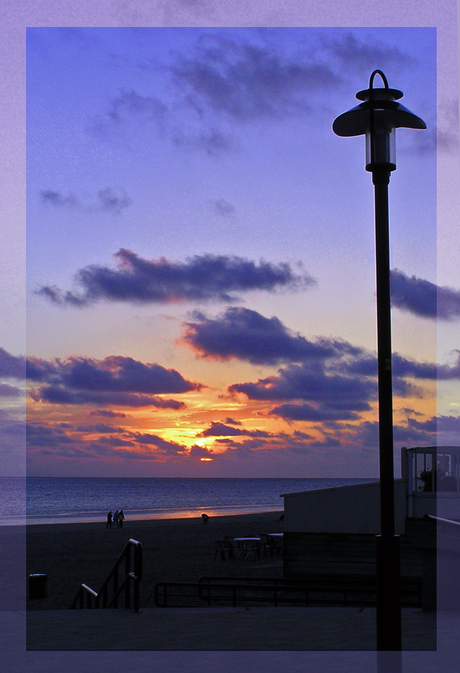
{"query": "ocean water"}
(66, 500)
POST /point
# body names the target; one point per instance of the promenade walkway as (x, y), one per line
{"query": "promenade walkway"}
(298, 640)
(258, 628)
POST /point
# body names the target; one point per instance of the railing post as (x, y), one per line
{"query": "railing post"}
(115, 587)
(138, 573)
(136, 595)
(127, 571)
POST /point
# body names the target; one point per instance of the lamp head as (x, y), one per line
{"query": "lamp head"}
(377, 117)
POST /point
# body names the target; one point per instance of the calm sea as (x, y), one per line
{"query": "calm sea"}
(66, 500)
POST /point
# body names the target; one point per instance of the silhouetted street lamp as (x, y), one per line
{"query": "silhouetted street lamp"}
(377, 117)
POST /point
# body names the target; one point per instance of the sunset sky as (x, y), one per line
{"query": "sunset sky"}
(200, 254)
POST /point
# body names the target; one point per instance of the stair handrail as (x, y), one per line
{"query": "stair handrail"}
(133, 574)
(451, 522)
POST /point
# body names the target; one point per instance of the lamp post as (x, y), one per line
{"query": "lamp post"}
(377, 117)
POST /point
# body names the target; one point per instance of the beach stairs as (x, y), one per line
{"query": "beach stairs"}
(125, 576)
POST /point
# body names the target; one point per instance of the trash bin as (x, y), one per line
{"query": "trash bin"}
(37, 586)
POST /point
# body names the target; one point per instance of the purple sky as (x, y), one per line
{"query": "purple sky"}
(200, 261)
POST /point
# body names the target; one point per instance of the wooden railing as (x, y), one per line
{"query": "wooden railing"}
(116, 584)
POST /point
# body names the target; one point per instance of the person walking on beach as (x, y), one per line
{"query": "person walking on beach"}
(109, 520)
(115, 518)
(121, 517)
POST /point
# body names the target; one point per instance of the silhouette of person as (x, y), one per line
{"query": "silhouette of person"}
(109, 520)
(121, 517)
(115, 518)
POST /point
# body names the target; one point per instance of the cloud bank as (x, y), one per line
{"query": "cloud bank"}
(247, 335)
(423, 298)
(114, 380)
(204, 94)
(199, 278)
(12, 366)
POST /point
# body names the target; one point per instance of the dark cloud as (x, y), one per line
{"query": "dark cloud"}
(232, 421)
(212, 141)
(58, 199)
(162, 446)
(99, 428)
(222, 430)
(423, 298)
(107, 413)
(366, 434)
(200, 278)
(57, 296)
(9, 391)
(247, 335)
(12, 366)
(113, 373)
(246, 81)
(327, 443)
(275, 445)
(333, 379)
(130, 111)
(9, 428)
(449, 423)
(360, 56)
(115, 442)
(115, 380)
(425, 370)
(337, 387)
(307, 412)
(429, 425)
(300, 382)
(61, 395)
(227, 79)
(444, 132)
(365, 364)
(437, 425)
(49, 437)
(107, 200)
(112, 201)
(202, 452)
(131, 104)
(55, 441)
(223, 208)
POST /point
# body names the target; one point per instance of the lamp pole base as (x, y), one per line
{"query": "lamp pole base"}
(388, 577)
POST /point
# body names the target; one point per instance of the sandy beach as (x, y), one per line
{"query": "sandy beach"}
(176, 550)
(184, 550)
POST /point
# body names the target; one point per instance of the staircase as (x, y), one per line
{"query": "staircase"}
(119, 581)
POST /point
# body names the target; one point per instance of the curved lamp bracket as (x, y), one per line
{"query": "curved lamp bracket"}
(377, 117)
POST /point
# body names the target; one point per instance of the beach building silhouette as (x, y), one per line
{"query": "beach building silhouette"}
(336, 527)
